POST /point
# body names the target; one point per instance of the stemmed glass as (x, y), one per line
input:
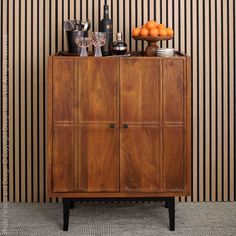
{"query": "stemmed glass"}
(99, 40)
(83, 43)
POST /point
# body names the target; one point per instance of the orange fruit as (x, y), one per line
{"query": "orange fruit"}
(136, 32)
(153, 32)
(162, 32)
(151, 24)
(161, 26)
(169, 31)
(144, 32)
(144, 26)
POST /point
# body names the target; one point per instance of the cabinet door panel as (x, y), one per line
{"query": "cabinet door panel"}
(63, 159)
(98, 164)
(63, 90)
(174, 159)
(173, 90)
(140, 90)
(140, 162)
(97, 90)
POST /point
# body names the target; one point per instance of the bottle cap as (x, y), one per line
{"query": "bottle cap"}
(118, 36)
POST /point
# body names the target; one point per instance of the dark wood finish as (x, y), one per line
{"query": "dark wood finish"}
(64, 163)
(63, 90)
(119, 128)
(140, 95)
(140, 168)
(173, 163)
(188, 125)
(98, 162)
(97, 93)
(173, 91)
(151, 90)
(118, 194)
(49, 126)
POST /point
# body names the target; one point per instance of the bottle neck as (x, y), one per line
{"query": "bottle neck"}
(106, 12)
(119, 37)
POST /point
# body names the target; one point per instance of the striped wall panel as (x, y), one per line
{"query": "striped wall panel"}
(203, 29)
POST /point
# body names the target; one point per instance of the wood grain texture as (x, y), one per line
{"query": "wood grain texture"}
(63, 90)
(63, 162)
(106, 152)
(173, 91)
(140, 159)
(174, 166)
(97, 79)
(140, 90)
(97, 159)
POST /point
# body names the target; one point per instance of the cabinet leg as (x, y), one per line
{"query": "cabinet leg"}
(72, 205)
(171, 208)
(66, 214)
(166, 204)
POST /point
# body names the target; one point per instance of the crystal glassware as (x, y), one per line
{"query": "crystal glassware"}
(83, 43)
(99, 40)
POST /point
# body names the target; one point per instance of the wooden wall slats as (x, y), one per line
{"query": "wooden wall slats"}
(231, 99)
(195, 102)
(200, 68)
(22, 100)
(41, 102)
(203, 29)
(16, 111)
(225, 102)
(28, 59)
(189, 36)
(219, 103)
(207, 101)
(11, 107)
(213, 99)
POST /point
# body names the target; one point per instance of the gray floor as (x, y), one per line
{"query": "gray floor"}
(118, 220)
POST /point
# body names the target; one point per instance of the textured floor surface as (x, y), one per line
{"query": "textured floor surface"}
(145, 219)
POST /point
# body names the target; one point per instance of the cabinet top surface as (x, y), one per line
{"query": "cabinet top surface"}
(134, 56)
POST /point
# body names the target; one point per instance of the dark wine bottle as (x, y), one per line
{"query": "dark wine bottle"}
(106, 26)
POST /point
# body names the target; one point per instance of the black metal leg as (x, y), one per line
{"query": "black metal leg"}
(68, 203)
(171, 205)
(66, 214)
(166, 204)
(72, 205)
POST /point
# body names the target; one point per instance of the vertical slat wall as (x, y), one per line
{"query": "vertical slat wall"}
(203, 29)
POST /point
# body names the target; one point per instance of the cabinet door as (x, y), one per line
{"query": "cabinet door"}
(140, 162)
(97, 159)
(97, 111)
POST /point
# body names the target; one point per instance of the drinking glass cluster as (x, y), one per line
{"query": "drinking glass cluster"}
(98, 39)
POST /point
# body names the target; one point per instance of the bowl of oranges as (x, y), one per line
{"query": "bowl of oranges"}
(152, 32)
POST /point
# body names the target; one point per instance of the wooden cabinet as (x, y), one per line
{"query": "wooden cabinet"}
(119, 127)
